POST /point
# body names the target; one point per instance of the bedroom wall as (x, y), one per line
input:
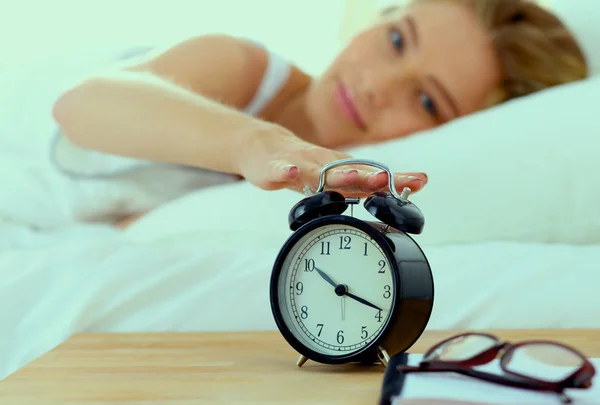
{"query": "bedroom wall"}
(307, 31)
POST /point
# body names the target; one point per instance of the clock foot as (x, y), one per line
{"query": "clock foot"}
(383, 356)
(301, 360)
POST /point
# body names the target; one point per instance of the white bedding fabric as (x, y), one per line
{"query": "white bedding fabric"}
(96, 279)
(185, 268)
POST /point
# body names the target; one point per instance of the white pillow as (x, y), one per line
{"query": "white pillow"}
(524, 171)
(527, 170)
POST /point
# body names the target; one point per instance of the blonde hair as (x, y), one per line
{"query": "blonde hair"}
(535, 49)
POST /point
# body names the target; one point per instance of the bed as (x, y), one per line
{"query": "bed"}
(512, 234)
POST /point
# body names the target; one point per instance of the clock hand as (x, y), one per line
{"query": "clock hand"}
(326, 278)
(341, 289)
(362, 300)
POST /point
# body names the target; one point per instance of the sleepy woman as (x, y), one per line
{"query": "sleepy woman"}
(225, 108)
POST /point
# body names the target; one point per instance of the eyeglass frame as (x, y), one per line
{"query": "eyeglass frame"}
(579, 379)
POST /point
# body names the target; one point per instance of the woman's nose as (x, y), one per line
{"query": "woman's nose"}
(383, 85)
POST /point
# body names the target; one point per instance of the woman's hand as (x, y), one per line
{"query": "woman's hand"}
(274, 159)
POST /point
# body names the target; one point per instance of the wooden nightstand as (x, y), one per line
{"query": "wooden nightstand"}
(211, 368)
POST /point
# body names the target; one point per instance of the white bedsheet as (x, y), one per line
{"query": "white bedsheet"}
(96, 279)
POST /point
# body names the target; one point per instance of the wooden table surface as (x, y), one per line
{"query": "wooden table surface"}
(211, 368)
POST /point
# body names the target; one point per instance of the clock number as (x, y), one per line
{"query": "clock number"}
(364, 334)
(345, 242)
(386, 292)
(325, 248)
(299, 288)
(309, 264)
(366, 245)
(378, 316)
(320, 326)
(381, 266)
(340, 337)
(304, 312)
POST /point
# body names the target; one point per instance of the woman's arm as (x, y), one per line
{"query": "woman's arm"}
(182, 106)
(164, 108)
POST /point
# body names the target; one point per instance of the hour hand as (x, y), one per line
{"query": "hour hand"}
(326, 277)
(362, 301)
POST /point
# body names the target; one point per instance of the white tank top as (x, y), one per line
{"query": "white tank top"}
(104, 187)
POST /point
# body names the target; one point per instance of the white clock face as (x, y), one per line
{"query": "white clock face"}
(336, 289)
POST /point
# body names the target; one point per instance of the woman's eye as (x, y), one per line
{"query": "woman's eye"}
(397, 39)
(428, 104)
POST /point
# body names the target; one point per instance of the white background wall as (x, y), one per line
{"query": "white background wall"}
(308, 31)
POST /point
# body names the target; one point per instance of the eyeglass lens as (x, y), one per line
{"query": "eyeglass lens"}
(462, 348)
(544, 361)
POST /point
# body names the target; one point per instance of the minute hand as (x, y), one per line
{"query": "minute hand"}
(362, 301)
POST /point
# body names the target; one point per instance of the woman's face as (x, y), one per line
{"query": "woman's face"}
(419, 69)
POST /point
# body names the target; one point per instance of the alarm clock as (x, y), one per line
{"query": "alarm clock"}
(345, 290)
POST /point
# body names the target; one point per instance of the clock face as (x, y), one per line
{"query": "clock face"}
(336, 290)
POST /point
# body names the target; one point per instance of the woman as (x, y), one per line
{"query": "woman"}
(227, 105)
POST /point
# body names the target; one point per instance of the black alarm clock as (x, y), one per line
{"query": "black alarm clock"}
(344, 290)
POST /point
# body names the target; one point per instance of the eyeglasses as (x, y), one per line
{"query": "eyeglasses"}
(535, 365)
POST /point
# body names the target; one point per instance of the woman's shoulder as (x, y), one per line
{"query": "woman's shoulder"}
(223, 67)
(237, 71)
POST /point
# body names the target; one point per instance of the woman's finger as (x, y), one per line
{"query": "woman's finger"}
(334, 179)
(378, 181)
(281, 171)
(351, 181)
(345, 178)
(414, 181)
(374, 181)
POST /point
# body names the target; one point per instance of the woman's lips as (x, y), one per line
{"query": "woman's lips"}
(346, 105)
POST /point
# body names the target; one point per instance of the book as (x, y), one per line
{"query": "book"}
(454, 389)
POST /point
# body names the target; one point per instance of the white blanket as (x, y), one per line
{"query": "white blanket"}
(92, 279)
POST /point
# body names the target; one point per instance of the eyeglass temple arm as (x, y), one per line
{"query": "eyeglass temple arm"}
(583, 379)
